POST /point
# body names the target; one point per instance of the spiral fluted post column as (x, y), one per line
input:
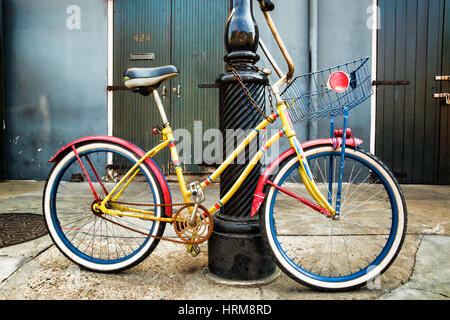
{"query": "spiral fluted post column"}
(235, 249)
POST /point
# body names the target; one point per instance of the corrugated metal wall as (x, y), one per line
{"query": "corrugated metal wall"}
(198, 50)
(187, 34)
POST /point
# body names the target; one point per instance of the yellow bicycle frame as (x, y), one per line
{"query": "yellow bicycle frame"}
(168, 140)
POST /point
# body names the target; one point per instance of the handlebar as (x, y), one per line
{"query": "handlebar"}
(266, 6)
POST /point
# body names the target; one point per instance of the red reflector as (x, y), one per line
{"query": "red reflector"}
(339, 81)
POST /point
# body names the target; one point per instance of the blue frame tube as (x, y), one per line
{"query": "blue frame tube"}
(341, 165)
(330, 182)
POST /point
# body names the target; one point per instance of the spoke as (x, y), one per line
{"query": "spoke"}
(348, 212)
(350, 182)
(330, 240)
(317, 164)
(367, 227)
(78, 230)
(74, 221)
(117, 244)
(297, 216)
(359, 186)
(364, 248)
(346, 248)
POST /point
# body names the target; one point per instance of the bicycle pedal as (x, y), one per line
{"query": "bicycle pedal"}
(194, 250)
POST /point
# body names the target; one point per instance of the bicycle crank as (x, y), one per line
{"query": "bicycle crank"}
(196, 229)
(193, 249)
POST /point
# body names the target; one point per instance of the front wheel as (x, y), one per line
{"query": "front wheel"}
(342, 254)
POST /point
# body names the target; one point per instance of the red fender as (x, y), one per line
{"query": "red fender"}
(259, 196)
(153, 166)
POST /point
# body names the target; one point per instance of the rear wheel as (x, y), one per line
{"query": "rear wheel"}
(93, 240)
(343, 254)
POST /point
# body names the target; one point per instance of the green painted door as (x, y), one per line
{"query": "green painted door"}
(187, 34)
(140, 28)
(412, 134)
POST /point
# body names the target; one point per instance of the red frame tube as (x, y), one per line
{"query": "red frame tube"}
(300, 199)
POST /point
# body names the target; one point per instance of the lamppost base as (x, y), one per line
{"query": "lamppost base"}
(236, 251)
(240, 283)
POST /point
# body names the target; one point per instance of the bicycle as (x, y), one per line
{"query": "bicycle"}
(332, 216)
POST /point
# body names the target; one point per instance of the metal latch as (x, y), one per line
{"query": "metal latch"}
(142, 56)
(442, 78)
(445, 96)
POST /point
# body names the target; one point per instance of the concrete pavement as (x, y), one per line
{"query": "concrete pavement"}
(37, 270)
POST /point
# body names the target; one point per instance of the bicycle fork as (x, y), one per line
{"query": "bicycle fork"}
(304, 169)
(307, 178)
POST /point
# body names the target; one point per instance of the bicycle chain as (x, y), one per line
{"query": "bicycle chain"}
(185, 205)
(230, 68)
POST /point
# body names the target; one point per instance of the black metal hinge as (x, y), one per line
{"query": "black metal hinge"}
(390, 83)
(114, 88)
(208, 86)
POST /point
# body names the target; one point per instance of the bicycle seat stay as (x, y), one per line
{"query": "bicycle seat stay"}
(135, 78)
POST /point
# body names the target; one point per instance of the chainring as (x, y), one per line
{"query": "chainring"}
(199, 231)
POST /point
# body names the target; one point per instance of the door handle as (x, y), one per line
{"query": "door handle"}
(445, 96)
(164, 92)
(442, 78)
(177, 91)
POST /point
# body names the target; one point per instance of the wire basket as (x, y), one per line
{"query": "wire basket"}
(311, 99)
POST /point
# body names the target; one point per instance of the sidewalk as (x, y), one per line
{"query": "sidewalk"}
(37, 270)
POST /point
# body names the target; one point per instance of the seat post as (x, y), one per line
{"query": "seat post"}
(160, 107)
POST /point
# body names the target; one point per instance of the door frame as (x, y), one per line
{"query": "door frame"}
(110, 68)
(444, 130)
(2, 103)
(373, 101)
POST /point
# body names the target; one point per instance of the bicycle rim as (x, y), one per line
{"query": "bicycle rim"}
(336, 254)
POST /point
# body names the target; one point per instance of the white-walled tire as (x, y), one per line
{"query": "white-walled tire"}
(86, 238)
(343, 254)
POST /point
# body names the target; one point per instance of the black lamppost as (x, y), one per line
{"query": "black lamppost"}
(235, 249)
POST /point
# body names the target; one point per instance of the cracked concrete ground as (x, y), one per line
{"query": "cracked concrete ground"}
(37, 270)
